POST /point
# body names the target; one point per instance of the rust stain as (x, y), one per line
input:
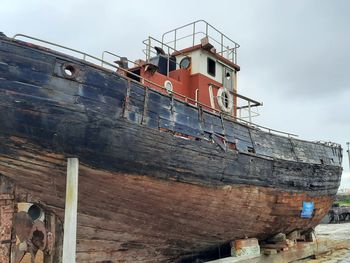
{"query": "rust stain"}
(6, 218)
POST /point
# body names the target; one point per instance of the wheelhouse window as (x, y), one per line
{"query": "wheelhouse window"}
(211, 67)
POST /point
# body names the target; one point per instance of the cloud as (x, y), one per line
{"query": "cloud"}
(301, 48)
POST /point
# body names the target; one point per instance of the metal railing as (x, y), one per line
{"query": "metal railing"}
(247, 113)
(330, 144)
(103, 61)
(85, 55)
(175, 95)
(151, 43)
(247, 105)
(226, 46)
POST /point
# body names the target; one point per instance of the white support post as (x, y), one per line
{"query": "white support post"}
(70, 214)
(348, 151)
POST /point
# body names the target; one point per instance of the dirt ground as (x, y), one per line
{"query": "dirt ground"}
(335, 232)
(339, 256)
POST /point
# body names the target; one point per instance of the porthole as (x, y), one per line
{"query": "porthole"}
(168, 86)
(185, 63)
(69, 71)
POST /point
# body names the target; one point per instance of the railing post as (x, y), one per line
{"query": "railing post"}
(167, 69)
(194, 33)
(70, 214)
(148, 52)
(235, 55)
(222, 44)
(250, 114)
(102, 58)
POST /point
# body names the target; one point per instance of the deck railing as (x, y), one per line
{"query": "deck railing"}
(150, 45)
(192, 34)
(106, 52)
(144, 81)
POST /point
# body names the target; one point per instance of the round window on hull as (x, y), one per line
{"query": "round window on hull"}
(69, 71)
(168, 86)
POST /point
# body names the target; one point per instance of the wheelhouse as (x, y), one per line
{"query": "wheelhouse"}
(195, 63)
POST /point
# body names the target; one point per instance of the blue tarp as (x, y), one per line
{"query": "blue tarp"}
(308, 209)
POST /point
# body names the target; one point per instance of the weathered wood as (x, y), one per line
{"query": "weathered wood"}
(278, 246)
(7, 206)
(153, 215)
(155, 185)
(301, 251)
(70, 216)
(269, 251)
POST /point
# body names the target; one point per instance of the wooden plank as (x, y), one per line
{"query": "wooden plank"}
(70, 216)
(302, 250)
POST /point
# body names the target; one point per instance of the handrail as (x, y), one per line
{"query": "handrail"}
(327, 143)
(113, 54)
(208, 26)
(201, 32)
(150, 39)
(253, 125)
(186, 99)
(256, 103)
(251, 113)
(57, 45)
(148, 44)
(197, 21)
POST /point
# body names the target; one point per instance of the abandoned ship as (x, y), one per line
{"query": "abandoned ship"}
(171, 164)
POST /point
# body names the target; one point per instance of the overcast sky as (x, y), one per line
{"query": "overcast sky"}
(294, 55)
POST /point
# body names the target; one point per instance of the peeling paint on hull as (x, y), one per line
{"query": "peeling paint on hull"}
(146, 193)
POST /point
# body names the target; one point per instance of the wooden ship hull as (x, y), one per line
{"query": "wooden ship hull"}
(160, 180)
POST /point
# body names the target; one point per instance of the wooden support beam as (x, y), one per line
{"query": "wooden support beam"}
(70, 215)
(300, 251)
